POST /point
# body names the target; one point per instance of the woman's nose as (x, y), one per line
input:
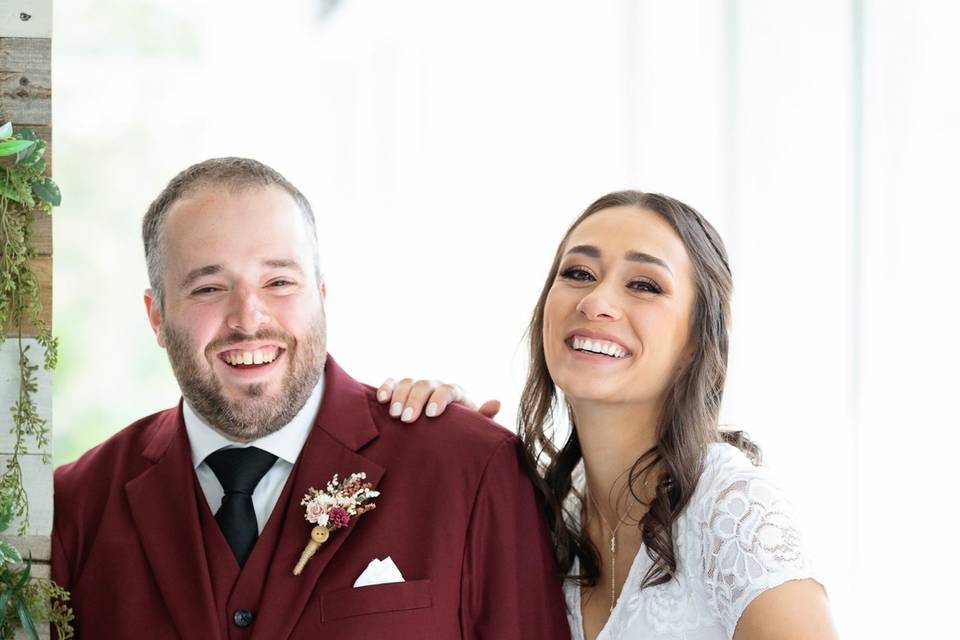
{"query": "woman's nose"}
(598, 304)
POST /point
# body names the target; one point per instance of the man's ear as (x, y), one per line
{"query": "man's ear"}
(153, 315)
(323, 291)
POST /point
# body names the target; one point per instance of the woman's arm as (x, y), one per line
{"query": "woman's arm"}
(408, 398)
(794, 610)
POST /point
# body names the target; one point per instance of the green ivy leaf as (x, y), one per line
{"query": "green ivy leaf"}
(25, 134)
(24, 575)
(48, 191)
(4, 598)
(26, 620)
(7, 191)
(6, 130)
(6, 510)
(9, 553)
(11, 147)
(33, 160)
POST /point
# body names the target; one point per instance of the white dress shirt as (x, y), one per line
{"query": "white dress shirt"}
(285, 443)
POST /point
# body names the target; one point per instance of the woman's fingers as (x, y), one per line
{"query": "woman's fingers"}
(409, 398)
(398, 397)
(420, 391)
(490, 408)
(386, 390)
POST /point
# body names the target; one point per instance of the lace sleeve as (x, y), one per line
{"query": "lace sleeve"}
(750, 544)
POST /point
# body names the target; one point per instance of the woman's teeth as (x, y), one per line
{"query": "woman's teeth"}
(259, 356)
(599, 346)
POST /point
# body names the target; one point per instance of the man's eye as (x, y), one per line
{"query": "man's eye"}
(280, 283)
(204, 291)
(645, 286)
(576, 273)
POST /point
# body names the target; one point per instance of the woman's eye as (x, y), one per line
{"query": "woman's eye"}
(576, 273)
(645, 286)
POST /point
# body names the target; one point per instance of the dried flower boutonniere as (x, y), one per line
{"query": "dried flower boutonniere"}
(333, 509)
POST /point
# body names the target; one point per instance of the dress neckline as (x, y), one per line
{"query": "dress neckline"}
(576, 600)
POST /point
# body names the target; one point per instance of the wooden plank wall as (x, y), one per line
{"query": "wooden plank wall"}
(25, 30)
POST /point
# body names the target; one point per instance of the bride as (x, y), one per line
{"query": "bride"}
(665, 526)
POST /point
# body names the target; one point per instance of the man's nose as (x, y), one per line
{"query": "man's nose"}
(247, 311)
(599, 304)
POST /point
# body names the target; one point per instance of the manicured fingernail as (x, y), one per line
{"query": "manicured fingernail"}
(407, 414)
(381, 395)
(431, 409)
(395, 409)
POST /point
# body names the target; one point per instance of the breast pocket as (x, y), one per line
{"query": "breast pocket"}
(378, 598)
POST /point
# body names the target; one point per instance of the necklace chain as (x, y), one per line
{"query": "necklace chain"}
(613, 549)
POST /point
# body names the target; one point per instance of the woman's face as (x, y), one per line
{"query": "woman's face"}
(617, 317)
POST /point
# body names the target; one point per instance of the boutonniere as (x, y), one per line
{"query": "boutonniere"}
(333, 509)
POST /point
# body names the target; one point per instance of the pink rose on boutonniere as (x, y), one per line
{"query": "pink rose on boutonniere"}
(333, 509)
(314, 511)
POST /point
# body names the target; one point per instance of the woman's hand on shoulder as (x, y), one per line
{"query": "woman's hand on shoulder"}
(409, 398)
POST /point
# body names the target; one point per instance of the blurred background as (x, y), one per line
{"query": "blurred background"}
(446, 146)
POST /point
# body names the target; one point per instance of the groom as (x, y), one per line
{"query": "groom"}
(189, 522)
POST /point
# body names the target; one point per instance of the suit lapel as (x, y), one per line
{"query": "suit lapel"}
(169, 529)
(343, 426)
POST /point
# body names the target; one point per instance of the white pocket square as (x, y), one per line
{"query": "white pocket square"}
(379, 572)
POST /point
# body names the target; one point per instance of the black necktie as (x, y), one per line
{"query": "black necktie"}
(239, 471)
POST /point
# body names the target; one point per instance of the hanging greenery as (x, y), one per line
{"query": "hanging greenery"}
(24, 190)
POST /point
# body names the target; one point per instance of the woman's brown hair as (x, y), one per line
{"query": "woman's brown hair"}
(687, 423)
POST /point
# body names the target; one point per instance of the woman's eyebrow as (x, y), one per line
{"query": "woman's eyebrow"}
(633, 256)
(639, 256)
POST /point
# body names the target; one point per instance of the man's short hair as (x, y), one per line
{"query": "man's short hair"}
(234, 174)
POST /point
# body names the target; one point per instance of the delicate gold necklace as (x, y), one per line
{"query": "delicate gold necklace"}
(613, 549)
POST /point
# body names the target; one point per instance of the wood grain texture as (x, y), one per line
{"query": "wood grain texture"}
(26, 18)
(10, 390)
(43, 268)
(42, 224)
(42, 233)
(25, 81)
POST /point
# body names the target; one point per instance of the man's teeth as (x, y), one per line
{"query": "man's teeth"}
(599, 346)
(251, 357)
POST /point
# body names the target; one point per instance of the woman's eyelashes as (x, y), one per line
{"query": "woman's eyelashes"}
(640, 285)
(645, 286)
(578, 274)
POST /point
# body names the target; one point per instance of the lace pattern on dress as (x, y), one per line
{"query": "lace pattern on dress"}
(750, 544)
(734, 540)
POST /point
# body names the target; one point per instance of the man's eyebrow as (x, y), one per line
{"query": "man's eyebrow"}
(283, 264)
(200, 272)
(633, 256)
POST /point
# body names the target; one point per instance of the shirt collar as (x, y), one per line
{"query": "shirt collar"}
(285, 443)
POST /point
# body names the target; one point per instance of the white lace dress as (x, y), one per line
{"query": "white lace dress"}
(734, 540)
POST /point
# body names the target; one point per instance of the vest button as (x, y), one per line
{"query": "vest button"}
(243, 617)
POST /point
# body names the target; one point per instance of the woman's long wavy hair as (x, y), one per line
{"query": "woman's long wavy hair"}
(687, 423)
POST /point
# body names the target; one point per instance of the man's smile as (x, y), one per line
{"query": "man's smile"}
(238, 357)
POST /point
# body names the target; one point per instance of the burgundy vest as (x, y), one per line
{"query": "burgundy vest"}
(236, 589)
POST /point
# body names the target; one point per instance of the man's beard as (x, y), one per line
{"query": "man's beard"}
(253, 416)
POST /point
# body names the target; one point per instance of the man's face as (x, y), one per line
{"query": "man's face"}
(243, 320)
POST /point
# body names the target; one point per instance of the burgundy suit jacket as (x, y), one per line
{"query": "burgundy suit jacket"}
(456, 513)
